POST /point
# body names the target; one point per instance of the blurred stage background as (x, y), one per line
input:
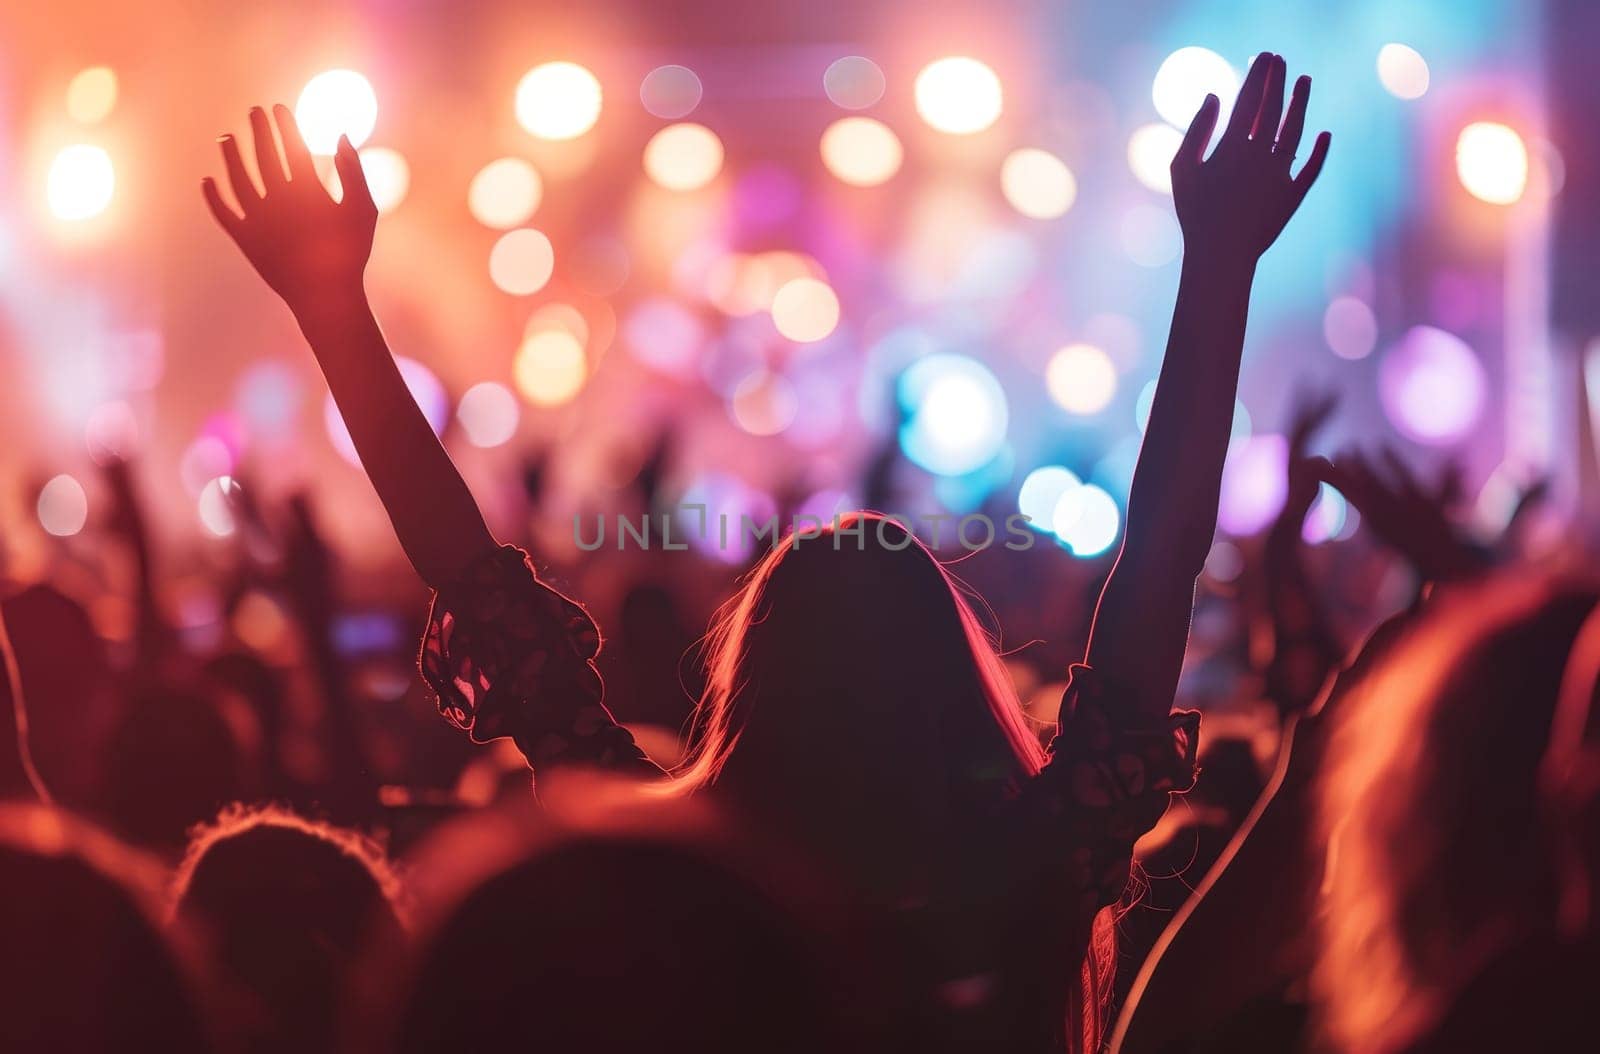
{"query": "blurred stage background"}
(758, 242)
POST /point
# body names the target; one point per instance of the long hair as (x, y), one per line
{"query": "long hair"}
(1429, 803)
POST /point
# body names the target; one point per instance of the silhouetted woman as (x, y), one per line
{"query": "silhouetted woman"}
(852, 701)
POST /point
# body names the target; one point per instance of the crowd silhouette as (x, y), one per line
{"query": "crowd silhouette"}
(881, 830)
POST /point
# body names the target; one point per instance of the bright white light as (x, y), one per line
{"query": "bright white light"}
(1041, 492)
(63, 507)
(81, 182)
(958, 95)
(1087, 519)
(683, 156)
(805, 310)
(1402, 71)
(861, 151)
(488, 414)
(1150, 153)
(92, 95)
(558, 100)
(550, 368)
(1081, 379)
(388, 176)
(1185, 79)
(335, 103)
(521, 262)
(215, 513)
(1492, 162)
(1037, 183)
(505, 193)
(957, 414)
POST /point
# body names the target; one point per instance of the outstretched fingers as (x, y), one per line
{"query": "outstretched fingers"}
(295, 152)
(1193, 149)
(226, 218)
(1265, 130)
(1248, 104)
(1313, 166)
(272, 174)
(244, 189)
(1294, 123)
(352, 178)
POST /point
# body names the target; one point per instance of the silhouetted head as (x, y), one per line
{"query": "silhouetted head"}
(619, 934)
(283, 907)
(853, 695)
(82, 966)
(1429, 800)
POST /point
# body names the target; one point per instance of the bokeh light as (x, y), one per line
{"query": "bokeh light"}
(216, 515)
(521, 262)
(956, 414)
(1402, 71)
(63, 507)
(550, 368)
(958, 95)
(1326, 517)
(203, 461)
(1150, 236)
(1037, 183)
(92, 95)
(1041, 491)
(853, 82)
(663, 334)
(1254, 484)
(80, 182)
(1349, 327)
(335, 103)
(805, 310)
(670, 92)
(558, 100)
(388, 176)
(1151, 149)
(1081, 379)
(861, 151)
(426, 391)
(1087, 520)
(764, 403)
(683, 156)
(111, 432)
(505, 193)
(1492, 162)
(1184, 80)
(488, 414)
(1432, 386)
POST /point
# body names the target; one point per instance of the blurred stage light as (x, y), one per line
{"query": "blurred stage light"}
(488, 414)
(425, 389)
(92, 95)
(1349, 327)
(215, 513)
(861, 151)
(1037, 183)
(558, 100)
(388, 176)
(550, 368)
(1184, 80)
(853, 82)
(335, 103)
(1492, 162)
(1151, 149)
(521, 262)
(81, 182)
(112, 432)
(741, 284)
(1254, 484)
(670, 92)
(764, 403)
(267, 398)
(1081, 379)
(1087, 520)
(203, 461)
(958, 95)
(1150, 236)
(1432, 386)
(956, 414)
(1326, 517)
(664, 334)
(683, 156)
(560, 316)
(1402, 72)
(63, 507)
(805, 310)
(505, 193)
(1041, 492)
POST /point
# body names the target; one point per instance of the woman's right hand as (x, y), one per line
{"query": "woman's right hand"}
(309, 248)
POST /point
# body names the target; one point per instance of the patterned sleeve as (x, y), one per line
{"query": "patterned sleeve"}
(1106, 784)
(510, 656)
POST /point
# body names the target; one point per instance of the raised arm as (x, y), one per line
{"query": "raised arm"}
(313, 252)
(1231, 207)
(18, 777)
